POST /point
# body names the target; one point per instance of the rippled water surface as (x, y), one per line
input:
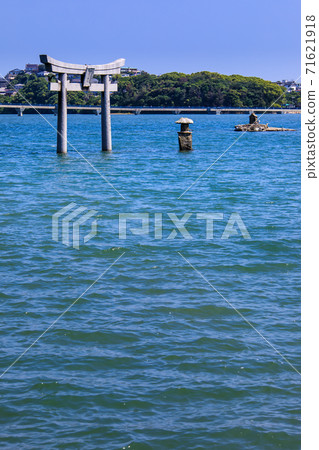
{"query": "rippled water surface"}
(159, 353)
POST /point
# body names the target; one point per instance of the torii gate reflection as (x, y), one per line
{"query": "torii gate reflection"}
(86, 72)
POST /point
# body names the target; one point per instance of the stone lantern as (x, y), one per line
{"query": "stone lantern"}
(253, 119)
(185, 135)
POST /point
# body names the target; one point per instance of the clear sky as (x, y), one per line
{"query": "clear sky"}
(257, 38)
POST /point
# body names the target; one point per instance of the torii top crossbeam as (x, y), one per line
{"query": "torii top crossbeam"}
(52, 65)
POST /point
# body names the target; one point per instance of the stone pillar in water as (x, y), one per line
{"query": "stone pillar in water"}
(185, 135)
(62, 142)
(106, 115)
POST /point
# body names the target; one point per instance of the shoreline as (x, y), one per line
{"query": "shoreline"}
(21, 109)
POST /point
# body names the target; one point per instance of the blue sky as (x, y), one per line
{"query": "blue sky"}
(248, 37)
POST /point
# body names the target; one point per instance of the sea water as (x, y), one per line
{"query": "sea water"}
(175, 339)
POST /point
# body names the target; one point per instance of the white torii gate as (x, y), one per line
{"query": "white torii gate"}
(86, 72)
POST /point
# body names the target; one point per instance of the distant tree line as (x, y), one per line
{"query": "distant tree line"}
(208, 89)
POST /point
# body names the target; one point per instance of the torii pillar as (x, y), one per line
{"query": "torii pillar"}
(106, 115)
(62, 131)
(63, 86)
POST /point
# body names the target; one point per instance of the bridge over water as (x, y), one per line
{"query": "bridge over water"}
(147, 109)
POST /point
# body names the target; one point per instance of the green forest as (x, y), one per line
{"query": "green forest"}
(207, 89)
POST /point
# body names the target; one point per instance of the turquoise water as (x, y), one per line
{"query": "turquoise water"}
(151, 356)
